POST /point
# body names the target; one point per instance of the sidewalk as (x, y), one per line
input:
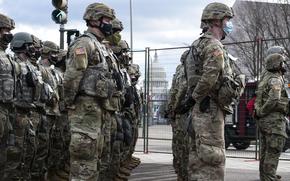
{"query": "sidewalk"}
(157, 166)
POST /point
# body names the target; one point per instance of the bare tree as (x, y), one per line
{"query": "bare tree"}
(259, 25)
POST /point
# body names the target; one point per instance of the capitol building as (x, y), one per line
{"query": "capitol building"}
(158, 88)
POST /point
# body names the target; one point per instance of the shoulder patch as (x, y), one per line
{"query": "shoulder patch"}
(80, 51)
(217, 53)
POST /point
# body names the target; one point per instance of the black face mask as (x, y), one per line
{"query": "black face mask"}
(106, 28)
(6, 39)
(30, 51)
(283, 67)
(53, 59)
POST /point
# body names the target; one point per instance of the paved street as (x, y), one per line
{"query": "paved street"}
(156, 166)
(240, 165)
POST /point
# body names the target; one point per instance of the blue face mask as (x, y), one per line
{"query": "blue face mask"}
(228, 28)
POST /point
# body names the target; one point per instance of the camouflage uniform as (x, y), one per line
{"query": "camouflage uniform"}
(87, 86)
(134, 72)
(271, 107)
(111, 152)
(26, 118)
(57, 158)
(180, 135)
(212, 68)
(7, 74)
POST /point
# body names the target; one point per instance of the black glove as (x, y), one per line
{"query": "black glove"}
(204, 104)
(118, 80)
(186, 104)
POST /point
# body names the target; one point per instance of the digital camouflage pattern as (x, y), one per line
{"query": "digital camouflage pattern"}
(86, 64)
(6, 94)
(180, 137)
(207, 150)
(271, 105)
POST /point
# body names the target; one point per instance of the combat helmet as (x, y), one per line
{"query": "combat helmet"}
(274, 62)
(95, 11)
(117, 25)
(134, 71)
(6, 22)
(216, 11)
(276, 49)
(49, 46)
(20, 39)
(124, 45)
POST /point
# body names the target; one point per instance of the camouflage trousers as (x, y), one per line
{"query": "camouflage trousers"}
(86, 145)
(116, 145)
(58, 155)
(20, 155)
(135, 136)
(5, 130)
(181, 147)
(271, 148)
(207, 149)
(39, 166)
(106, 157)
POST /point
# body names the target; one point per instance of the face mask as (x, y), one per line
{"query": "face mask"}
(106, 29)
(283, 67)
(53, 59)
(6, 39)
(30, 51)
(114, 39)
(228, 28)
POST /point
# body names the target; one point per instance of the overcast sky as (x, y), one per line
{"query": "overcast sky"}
(156, 23)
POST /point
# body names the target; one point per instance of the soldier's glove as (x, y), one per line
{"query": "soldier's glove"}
(204, 104)
(254, 114)
(186, 104)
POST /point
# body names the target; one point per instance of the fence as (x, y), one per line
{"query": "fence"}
(158, 67)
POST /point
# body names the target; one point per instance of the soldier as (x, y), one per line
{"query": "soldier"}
(134, 73)
(213, 86)
(7, 88)
(88, 86)
(113, 124)
(27, 103)
(180, 137)
(271, 108)
(57, 159)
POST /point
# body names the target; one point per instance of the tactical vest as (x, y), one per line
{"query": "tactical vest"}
(114, 103)
(6, 78)
(96, 79)
(25, 91)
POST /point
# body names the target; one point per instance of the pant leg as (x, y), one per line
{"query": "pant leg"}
(86, 140)
(207, 157)
(273, 148)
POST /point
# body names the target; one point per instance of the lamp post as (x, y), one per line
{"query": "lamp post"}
(131, 31)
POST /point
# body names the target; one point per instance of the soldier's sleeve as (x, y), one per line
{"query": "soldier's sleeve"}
(181, 87)
(213, 64)
(172, 93)
(76, 64)
(271, 103)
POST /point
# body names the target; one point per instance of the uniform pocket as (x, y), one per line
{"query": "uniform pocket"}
(82, 146)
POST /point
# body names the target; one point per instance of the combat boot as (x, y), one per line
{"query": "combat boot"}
(135, 158)
(278, 178)
(125, 171)
(121, 176)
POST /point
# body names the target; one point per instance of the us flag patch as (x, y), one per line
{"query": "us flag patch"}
(80, 51)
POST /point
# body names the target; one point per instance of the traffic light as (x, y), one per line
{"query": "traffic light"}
(59, 15)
